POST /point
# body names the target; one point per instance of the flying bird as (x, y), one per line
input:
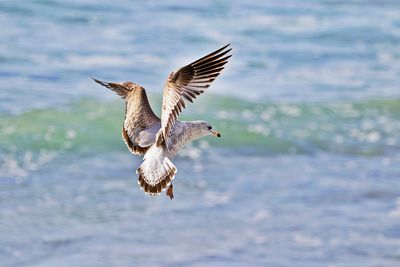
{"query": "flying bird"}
(160, 139)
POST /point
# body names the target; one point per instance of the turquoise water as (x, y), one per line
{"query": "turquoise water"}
(306, 172)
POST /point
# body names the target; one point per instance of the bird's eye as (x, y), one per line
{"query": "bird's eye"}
(209, 127)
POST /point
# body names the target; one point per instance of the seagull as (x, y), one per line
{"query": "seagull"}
(160, 140)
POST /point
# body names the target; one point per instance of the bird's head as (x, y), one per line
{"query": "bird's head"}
(205, 128)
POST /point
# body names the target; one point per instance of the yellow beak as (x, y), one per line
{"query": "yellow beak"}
(215, 133)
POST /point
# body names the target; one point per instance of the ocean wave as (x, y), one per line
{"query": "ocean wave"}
(364, 128)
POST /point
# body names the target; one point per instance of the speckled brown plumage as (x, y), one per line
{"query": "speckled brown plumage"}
(132, 148)
(139, 116)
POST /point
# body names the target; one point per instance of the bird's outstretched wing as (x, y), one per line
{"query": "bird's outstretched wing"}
(118, 88)
(141, 124)
(187, 83)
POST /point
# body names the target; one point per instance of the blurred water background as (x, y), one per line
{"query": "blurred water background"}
(306, 174)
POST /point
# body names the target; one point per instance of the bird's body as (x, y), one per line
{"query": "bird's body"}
(160, 139)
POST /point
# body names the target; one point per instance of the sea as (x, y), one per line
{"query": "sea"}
(306, 173)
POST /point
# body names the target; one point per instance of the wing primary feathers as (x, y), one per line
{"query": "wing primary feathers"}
(212, 71)
(211, 67)
(118, 88)
(214, 59)
(213, 64)
(210, 55)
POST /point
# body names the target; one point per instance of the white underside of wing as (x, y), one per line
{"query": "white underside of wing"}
(147, 137)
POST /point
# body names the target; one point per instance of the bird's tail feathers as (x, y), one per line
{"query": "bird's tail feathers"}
(156, 172)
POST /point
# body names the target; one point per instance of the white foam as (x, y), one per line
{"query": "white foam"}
(215, 198)
(70, 134)
(373, 136)
(20, 167)
(260, 216)
(291, 111)
(395, 213)
(307, 241)
(98, 60)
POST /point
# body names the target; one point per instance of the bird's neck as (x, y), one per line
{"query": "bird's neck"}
(193, 131)
(184, 133)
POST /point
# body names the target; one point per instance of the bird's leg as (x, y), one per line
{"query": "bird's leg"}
(170, 191)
